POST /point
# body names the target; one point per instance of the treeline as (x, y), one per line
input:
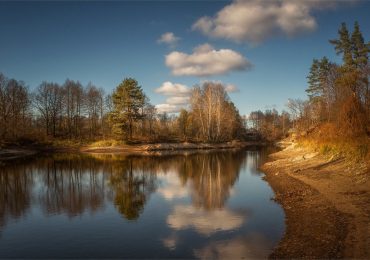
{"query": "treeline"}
(75, 112)
(51, 111)
(270, 125)
(338, 105)
(212, 117)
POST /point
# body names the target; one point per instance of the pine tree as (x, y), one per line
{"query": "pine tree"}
(361, 60)
(317, 79)
(343, 45)
(128, 99)
(359, 48)
(313, 89)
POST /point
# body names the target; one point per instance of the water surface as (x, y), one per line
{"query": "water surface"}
(189, 205)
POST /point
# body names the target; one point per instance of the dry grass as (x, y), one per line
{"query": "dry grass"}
(107, 143)
(326, 140)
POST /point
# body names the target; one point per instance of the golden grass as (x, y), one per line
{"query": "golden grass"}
(326, 141)
(107, 143)
(67, 143)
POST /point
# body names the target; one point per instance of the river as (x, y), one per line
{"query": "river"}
(189, 205)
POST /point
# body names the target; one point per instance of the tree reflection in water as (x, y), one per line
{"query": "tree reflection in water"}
(132, 185)
(191, 214)
(71, 184)
(15, 192)
(212, 176)
(75, 183)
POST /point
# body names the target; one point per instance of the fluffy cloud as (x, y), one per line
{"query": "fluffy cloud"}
(230, 88)
(253, 21)
(178, 97)
(168, 38)
(203, 221)
(173, 89)
(206, 61)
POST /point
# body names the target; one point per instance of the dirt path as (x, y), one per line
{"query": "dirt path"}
(327, 205)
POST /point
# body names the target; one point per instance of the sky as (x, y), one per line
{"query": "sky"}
(260, 50)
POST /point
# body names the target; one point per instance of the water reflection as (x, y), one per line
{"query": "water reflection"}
(251, 246)
(190, 191)
(204, 221)
(15, 192)
(70, 185)
(132, 186)
(73, 184)
(212, 177)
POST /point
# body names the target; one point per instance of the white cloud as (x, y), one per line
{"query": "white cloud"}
(203, 221)
(173, 89)
(254, 21)
(178, 97)
(178, 100)
(167, 108)
(206, 61)
(168, 38)
(230, 88)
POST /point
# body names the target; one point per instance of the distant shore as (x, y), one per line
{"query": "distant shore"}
(14, 152)
(326, 202)
(169, 147)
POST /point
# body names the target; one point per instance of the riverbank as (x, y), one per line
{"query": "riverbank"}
(14, 152)
(169, 147)
(326, 202)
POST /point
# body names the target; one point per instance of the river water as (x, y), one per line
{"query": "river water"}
(188, 205)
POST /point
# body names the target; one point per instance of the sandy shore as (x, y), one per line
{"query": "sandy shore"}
(326, 202)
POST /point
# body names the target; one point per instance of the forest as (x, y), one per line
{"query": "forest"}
(72, 111)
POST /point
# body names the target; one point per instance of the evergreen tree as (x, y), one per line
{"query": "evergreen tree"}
(359, 48)
(313, 89)
(128, 99)
(361, 60)
(343, 45)
(317, 79)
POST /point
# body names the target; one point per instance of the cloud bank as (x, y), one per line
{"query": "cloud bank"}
(254, 21)
(206, 61)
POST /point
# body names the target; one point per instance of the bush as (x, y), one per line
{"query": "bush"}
(352, 117)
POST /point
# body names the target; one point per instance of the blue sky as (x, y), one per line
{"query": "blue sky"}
(105, 42)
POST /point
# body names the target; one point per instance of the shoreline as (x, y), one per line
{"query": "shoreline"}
(326, 204)
(15, 152)
(169, 147)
